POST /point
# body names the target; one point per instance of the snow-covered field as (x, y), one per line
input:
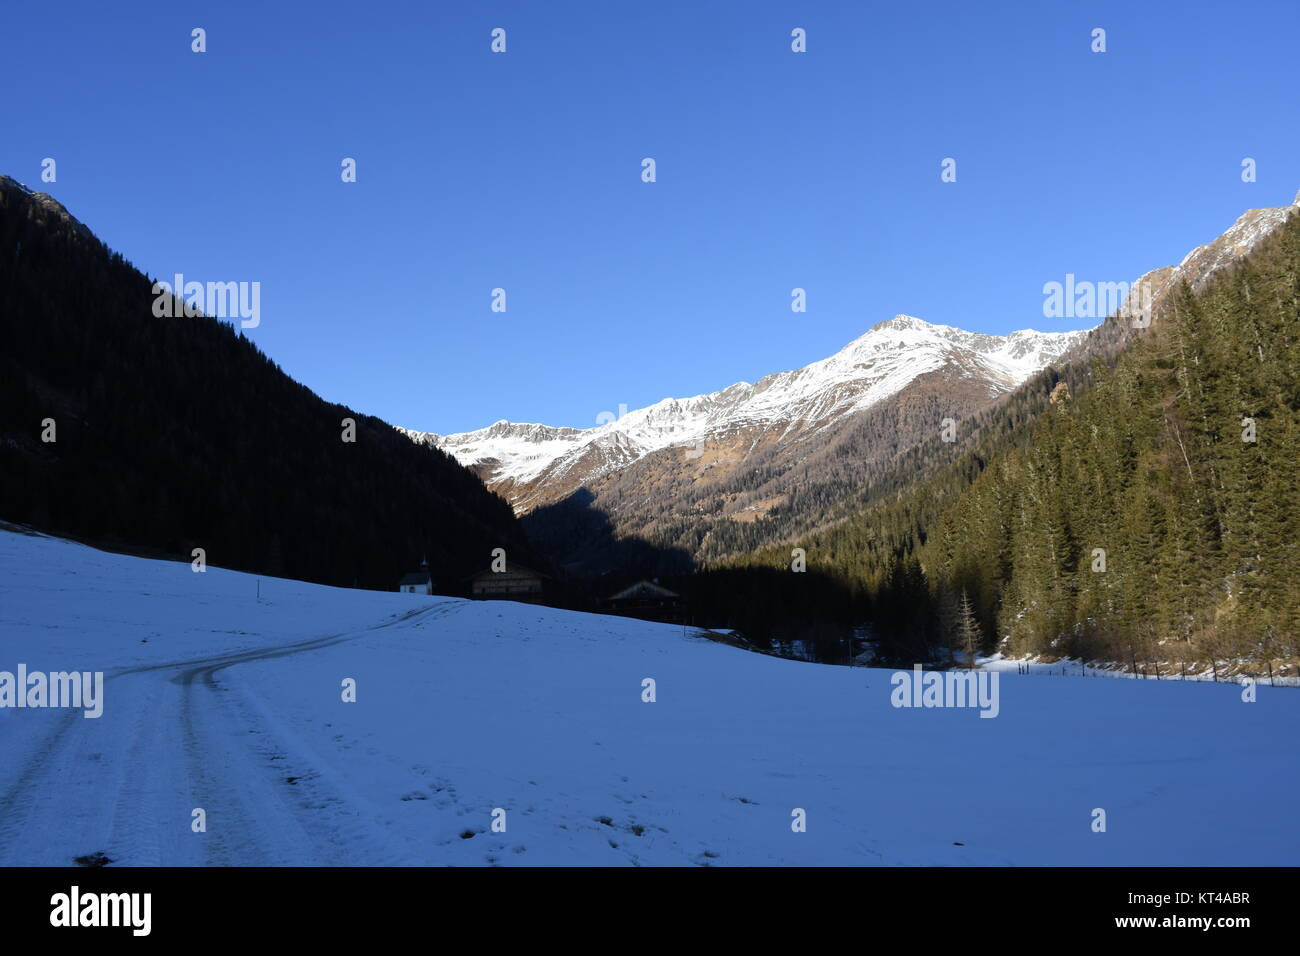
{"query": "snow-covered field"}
(215, 700)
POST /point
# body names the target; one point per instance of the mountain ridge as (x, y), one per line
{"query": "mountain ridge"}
(752, 465)
(511, 455)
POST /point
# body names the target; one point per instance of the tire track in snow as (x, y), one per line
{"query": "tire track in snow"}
(274, 823)
(84, 789)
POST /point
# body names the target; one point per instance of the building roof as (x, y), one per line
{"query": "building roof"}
(643, 589)
(414, 577)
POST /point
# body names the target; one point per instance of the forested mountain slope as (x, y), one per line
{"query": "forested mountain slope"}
(176, 433)
(1149, 505)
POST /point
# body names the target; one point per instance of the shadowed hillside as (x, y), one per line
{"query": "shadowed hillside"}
(177, 433)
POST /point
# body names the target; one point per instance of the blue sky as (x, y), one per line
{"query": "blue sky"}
(523, 171)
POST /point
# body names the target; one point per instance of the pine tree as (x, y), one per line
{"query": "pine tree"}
(968, 629)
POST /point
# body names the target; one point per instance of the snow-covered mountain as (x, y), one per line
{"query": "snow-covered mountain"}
(513, 457)
(752, 465)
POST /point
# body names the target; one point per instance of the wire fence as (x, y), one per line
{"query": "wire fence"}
(1235, 672)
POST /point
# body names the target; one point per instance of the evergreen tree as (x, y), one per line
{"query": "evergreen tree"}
(968, 629)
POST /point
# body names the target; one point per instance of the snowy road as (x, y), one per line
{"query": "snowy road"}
(114, 787)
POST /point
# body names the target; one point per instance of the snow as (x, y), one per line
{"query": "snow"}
(1166, 670)
(217, 700)
(1250, 227)
(870, 369)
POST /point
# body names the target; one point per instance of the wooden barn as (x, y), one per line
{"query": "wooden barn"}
(648, 600)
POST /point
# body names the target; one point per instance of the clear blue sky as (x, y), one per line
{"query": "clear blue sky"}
(522, 170)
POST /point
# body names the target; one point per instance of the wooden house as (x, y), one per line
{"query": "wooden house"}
(648, 600)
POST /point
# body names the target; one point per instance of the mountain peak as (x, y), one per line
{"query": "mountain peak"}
(872, 368)
(784, 412)
(902, 321)
(47, 203)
